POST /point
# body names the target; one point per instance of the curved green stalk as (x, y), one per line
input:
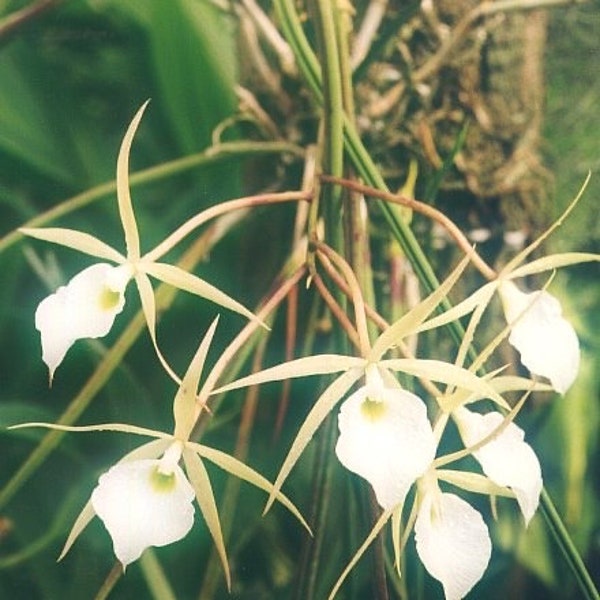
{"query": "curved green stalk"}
(570, 553)
(168, 169)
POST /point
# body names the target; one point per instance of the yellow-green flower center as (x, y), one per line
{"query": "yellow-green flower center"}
(373, 409)
(162, 482)
(108, 299)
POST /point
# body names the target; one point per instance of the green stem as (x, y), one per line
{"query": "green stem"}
(168, 169)
(333, 114)
(570, 553)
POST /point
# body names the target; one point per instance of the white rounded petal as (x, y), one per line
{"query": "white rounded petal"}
(453, 542)
(141, 507)
(507, 460)
(547, 342)
(84, 308)
(385, 437)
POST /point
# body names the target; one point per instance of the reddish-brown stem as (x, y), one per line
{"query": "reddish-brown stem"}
(426, 210)
(337, 310)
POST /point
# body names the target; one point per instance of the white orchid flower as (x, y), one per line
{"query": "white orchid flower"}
(452, 542)
(546, 341)
(506, 459)
(84, 308)
(146, 499)
(385, 437)
(87, 305)
(145, 503)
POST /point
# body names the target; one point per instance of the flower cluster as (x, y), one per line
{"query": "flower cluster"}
(387, 434)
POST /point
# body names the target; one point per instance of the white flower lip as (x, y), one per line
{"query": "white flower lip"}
(453, 542)
(141, 506)
(547, 342)
(385, 437)
(507, 459)
(84, 308)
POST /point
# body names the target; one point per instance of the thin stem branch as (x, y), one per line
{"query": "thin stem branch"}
(357, 298)
(220, 209)
(426, 210)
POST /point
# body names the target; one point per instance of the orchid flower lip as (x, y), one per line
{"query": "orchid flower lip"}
(141, 505)
(85, 307)
(546, 341)
(386, 438)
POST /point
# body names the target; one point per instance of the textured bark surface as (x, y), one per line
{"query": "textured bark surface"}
(449, 64)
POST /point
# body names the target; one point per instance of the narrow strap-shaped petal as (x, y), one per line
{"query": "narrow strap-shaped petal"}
(206, 501)
(237, 468)
(77, 240)
(126, 213)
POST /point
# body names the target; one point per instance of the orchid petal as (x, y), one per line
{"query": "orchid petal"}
(547, 342)
(141, 506)
(386, 438)
(507, 459)
(84, 308)
(453, 542)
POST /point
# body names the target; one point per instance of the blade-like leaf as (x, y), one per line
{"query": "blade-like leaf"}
(191, 283)
(321, 408)
(319, 364)
(383, 519)
(206, 501)
(150, 450)
(443, 372)
(554, 261)
(77, 240)
(473, 482)
(132, 239)
(185, 399)
(242, 471)
(121, 427)
(413, 318)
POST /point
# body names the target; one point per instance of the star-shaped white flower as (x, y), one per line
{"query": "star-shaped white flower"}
(452, 541)
(507, 459)
(144, 503)
(385, 437)
(84, 308)
(547, 342)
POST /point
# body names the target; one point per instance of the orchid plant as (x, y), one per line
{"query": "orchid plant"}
(392, 413)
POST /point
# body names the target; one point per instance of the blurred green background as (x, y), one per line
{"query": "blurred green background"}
(70, 81)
